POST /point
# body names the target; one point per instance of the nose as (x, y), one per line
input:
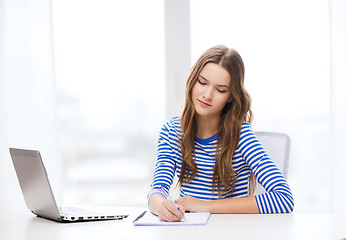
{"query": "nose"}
(208, 94)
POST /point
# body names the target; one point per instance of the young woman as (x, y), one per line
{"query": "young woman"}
(212, 149)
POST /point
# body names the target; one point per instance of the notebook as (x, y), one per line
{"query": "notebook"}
(38, 194)
(149, 219)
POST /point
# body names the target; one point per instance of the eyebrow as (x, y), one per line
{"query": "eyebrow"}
(219, 85)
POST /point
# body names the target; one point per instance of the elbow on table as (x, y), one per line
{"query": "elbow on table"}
(291, 207)
(276, 204)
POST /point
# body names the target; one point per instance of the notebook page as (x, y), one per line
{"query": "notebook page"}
(149, 219)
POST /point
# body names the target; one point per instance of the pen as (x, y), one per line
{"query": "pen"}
(166, 195)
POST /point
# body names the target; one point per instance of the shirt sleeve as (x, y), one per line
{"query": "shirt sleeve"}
(165, 163)
(278, 197)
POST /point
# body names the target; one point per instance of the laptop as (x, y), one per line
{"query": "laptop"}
(38, 194)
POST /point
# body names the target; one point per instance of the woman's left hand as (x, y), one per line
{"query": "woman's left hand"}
(192, 204)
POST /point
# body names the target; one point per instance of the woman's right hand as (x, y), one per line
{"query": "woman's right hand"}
(165, 209)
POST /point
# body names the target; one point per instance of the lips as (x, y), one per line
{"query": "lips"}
(204, 104)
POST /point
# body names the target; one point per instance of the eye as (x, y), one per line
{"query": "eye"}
(201, 82)
(221, 91)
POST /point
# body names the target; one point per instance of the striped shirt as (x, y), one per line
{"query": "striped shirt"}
(249, 156)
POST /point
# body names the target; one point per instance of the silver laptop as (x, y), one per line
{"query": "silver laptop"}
(38, 193)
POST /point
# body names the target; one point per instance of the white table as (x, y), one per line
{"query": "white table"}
(220, 226)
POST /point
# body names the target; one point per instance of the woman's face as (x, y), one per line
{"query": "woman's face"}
(211, 91)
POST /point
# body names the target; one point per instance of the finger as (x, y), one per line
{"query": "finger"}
(181, 210)
(169, 217)
(183, 204)
(175, 210)
(165, 215)
(179, 201)
(170, 213)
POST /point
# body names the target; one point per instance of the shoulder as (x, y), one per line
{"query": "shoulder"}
(246, 133)
(172, 126)
(245, 128)
(173, 123)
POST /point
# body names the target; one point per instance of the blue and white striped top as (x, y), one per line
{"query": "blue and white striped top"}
(249, 156)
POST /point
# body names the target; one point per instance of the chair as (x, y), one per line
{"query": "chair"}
(278, 147)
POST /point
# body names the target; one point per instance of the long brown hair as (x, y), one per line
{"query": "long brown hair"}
(231, 119)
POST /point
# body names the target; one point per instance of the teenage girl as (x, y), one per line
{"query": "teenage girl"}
(212, 149)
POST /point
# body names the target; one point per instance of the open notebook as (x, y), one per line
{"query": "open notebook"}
(149, 219)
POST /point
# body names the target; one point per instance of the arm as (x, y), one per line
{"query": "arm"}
(229, 205)
(163, 177)
(278, 197)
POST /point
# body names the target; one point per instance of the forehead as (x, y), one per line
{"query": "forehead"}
(216, 74)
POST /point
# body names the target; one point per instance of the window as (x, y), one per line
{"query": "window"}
(110, 82)
(110, 93)
(285, 47)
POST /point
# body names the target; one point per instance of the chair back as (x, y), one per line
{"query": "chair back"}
(278, 147)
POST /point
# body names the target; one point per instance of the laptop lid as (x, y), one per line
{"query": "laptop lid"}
(38, 194)
(33, 181)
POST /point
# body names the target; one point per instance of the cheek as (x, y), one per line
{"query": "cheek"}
(222, 100)
(194, 90)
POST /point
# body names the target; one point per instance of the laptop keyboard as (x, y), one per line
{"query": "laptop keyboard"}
(73, 211)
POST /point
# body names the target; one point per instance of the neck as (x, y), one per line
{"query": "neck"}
(206, 126)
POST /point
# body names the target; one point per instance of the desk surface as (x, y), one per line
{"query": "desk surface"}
(234, 226)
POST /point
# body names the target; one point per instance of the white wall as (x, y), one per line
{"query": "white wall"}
(177, 54)
(27, 109)
(285, 47)
(338, 103)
